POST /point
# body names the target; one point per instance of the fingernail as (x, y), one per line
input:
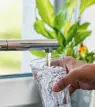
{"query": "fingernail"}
(56, 88)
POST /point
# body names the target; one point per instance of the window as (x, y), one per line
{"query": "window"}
(10, 28)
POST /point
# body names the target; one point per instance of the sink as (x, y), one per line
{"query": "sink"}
(19, 90)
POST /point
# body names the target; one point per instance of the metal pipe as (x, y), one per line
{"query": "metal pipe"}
(23, 45)
(58, 4)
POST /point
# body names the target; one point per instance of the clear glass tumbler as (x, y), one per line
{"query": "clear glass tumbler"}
(46, 77)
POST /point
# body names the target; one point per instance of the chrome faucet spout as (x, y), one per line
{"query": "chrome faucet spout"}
(24, 45)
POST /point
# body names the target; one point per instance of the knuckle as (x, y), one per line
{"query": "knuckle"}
(73, 74)
(69, 58)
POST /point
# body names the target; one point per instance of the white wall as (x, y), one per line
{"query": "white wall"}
(89, 16)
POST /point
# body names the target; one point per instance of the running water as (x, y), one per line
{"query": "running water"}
(48, 59)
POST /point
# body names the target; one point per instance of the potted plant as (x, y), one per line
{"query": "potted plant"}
(70, 36)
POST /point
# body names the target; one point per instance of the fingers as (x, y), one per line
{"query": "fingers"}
(63, 83)
(72, 89)
(58, 62)
(63, 62)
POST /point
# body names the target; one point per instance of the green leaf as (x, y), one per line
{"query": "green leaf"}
(61, 17)
(72, 32)
(40, 28)
(68, 51)
(38, 53)
(46, 11)
(60, 20)
(90, 58)
(65, 14)
(67, 27)
(61, 40)
(81, 36)
(71, 8)
(51, 34)
(83, 27)
(85, 4)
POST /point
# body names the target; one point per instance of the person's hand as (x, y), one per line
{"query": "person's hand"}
(80, 75)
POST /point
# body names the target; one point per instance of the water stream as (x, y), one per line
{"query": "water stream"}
(48, 59)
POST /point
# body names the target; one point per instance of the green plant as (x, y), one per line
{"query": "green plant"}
(70, 36)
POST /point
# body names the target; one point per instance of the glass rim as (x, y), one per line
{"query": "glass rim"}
(36, 59)
(58, 56)
(40, 60)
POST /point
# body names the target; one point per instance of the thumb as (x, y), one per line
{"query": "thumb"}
(63, 83)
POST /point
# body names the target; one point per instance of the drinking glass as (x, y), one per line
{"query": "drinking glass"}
(47, 76)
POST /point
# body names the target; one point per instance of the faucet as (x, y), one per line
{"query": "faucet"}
(23, 45)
